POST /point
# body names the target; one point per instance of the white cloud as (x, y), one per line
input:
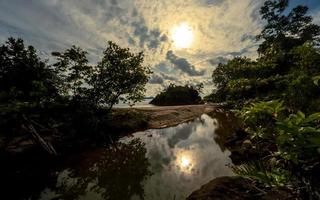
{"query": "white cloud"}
(222, 28)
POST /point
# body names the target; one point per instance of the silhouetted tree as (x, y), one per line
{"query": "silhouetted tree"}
(120, 75)
(23, 75)
(285, 31)
(178, 95)
(73, 71)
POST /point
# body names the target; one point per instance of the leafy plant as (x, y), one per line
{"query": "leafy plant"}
(298, 137)
(259, 118)
(264, 172)
(316, 80)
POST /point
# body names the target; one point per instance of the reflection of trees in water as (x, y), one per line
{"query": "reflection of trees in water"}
(227, 124)
(119, 174)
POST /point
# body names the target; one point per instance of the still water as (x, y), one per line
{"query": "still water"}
(167, 163)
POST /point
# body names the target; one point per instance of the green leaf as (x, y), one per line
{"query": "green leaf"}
(284, 127)
(313, 117)
(315, 140)
(316, 80)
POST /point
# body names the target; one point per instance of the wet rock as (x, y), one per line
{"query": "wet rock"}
(225, 188)
(247, 144)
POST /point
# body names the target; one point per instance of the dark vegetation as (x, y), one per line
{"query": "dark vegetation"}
(277, 98)
(178, 95)
(68, 102)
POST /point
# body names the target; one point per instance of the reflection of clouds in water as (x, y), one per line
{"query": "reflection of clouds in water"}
(183, 158)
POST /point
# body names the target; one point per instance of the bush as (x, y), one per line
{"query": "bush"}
(177, 95)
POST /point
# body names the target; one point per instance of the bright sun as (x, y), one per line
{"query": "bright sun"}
(182, 36)
(185, 161)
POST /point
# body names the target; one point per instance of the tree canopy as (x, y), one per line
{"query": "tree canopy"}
(24, 77)
(288, 60)
(178, 95)
(120, 75)
(277, 97)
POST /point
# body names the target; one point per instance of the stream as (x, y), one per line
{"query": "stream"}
(168, 164)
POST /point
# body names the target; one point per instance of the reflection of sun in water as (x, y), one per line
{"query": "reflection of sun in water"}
(182, 36)
(185, 162)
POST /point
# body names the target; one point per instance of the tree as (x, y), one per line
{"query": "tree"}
(178, 95)
(24, 76)
(120, 75)
(73, 71)
(288, 58)
(285, 31)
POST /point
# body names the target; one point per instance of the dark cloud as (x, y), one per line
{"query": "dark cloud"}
(249, 37)
(152, 38)
(218, 60)
(182, 133)
(160, 78)
(156, 79)
(183, 65)
(212, 2)
(169, 77)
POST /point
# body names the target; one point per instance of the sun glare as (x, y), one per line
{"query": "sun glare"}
(185, 161)
(182, 36)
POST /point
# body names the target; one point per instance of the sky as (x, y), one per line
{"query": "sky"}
(183, 40)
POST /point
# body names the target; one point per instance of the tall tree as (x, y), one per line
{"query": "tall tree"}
(73, 70)
(120, 75)
(285, 31)
(23, 75)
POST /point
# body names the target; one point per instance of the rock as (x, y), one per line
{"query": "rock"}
(247, 144)
(225, 188)
(237, 188)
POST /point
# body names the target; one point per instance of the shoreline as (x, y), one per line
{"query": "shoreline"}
(168, 116)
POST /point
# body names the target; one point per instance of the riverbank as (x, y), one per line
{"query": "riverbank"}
(121, 122)
(167, 116)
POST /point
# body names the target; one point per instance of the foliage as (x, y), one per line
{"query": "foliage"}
(259, 117)
(316, 80)
(70, 100)
(73, 71)
(285, 31)
(298, 137)
(277, 96)
(119, 173)
(24, 77)
(119, 73)
(289, 58)
(178, 95)
(269, 174)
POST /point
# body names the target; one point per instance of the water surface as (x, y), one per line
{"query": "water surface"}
(167, 163)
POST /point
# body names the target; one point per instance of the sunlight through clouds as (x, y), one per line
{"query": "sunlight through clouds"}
(198, 32)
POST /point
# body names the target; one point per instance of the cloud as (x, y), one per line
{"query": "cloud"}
(156, 79)
(222, 29)
(169, 77)
(218, 60)
(152, 38)
(316, 17)
(183, 64)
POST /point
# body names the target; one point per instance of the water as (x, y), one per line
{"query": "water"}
(157, 164)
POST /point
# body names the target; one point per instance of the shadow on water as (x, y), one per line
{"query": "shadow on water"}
(117, 172)
(156, 164)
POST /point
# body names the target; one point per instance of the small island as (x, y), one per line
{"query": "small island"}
(178, 95)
